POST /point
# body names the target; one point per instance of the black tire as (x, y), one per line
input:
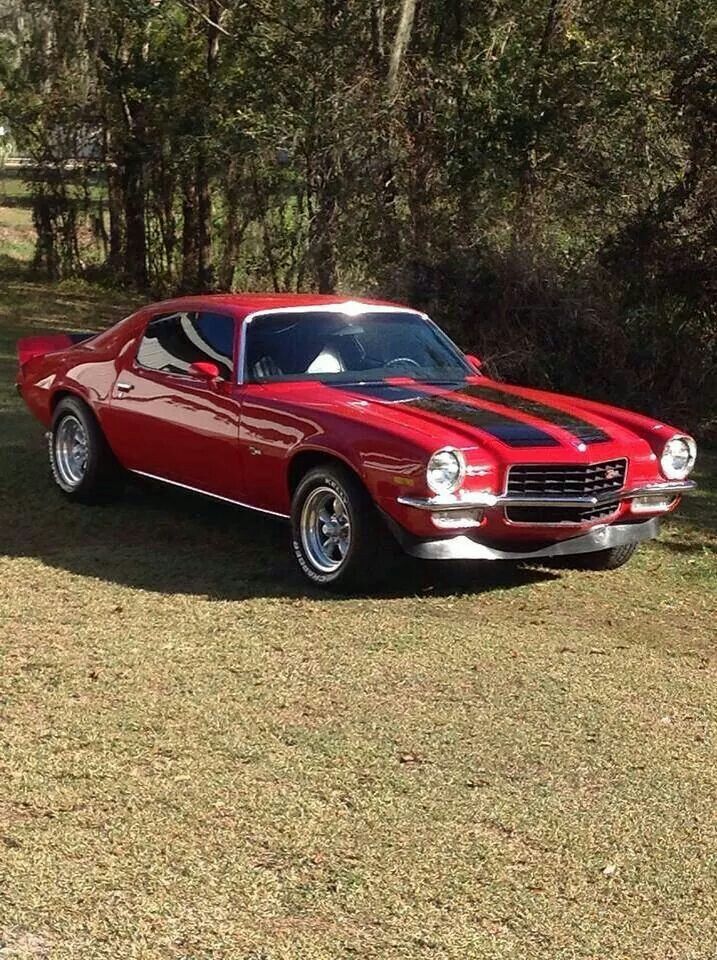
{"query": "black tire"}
(100, 478)
(609, 559)
(371, 550)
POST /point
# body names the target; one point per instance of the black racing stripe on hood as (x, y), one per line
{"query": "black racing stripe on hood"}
(510, 431)
(581, 429)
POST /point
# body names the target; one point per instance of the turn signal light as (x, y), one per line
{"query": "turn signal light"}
(457, 519)
(653, 504)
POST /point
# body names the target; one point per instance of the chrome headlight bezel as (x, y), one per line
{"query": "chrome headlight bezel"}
(456, 481)
(688, 448)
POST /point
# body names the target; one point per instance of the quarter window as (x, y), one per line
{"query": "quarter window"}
(172, 342)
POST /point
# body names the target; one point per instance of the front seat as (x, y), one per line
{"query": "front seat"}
(328, 361)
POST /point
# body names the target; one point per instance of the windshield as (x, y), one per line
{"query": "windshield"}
(337, 348)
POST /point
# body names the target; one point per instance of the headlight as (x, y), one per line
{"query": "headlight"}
(446, 470)
(678, 458)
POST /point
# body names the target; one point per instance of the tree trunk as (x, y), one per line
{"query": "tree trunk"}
(165, 184)
(558, 12)
(99, 230)
(388, 187)
(135, 259)
(204, 222)
(115, 205)
(190, 234)
(131, 153)
(325, 229)
(324, 225)
(204, 198)
(45, 258)
(232, 230)
(400, 45)
(378, 19)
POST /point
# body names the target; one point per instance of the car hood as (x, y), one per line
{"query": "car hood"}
(486, 413)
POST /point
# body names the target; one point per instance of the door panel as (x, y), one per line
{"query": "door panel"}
(171, 423)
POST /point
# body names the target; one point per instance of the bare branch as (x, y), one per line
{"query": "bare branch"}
(208, 20)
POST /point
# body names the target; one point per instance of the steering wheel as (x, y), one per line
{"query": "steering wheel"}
(403, 360)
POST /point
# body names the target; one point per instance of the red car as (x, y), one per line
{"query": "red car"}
(362, 423)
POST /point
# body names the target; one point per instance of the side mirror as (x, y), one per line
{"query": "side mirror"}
(204, 370)
(474, 361)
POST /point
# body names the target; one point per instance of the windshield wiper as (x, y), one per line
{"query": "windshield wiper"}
(430, 381)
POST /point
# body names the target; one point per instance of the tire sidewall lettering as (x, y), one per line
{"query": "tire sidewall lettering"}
(307, 568)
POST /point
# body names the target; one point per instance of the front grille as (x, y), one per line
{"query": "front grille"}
(566, 480)
(561, 514)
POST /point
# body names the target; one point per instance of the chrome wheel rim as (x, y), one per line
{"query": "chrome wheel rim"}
(325, 529)
(71, 451)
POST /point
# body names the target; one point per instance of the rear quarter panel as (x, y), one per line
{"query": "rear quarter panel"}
(87, 370)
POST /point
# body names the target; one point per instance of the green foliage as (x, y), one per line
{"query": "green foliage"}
(543, 177)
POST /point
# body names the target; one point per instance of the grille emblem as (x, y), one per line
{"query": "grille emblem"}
(611, 473)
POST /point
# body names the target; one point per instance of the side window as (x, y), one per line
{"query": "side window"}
(172, 342)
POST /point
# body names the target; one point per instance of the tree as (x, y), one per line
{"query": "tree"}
(538, 174)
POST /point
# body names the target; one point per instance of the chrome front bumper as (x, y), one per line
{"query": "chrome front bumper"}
(601, 536)
(674, 488)
(464, 548)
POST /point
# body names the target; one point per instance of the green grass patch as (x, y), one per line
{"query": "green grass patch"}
(13, 186)
(17, 233)
(201, 758)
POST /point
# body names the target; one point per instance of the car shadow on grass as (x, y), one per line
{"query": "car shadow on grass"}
(157, 538)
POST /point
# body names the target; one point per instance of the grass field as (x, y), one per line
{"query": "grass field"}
(16, 230)
(202, 758)
(17, 234)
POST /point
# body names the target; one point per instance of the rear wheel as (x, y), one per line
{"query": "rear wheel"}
(609, 559)
(82, 463)
(339, 539)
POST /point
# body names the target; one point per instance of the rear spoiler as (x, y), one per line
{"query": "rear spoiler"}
(30, 347)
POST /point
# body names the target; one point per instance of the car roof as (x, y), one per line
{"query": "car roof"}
(242, 304)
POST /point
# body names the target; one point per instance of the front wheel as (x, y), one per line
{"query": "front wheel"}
(339, 540)
(609, 559)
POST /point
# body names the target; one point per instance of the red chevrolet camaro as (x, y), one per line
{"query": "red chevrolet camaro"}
(361, 422)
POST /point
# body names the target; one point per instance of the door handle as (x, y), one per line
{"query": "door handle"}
(125, 387)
